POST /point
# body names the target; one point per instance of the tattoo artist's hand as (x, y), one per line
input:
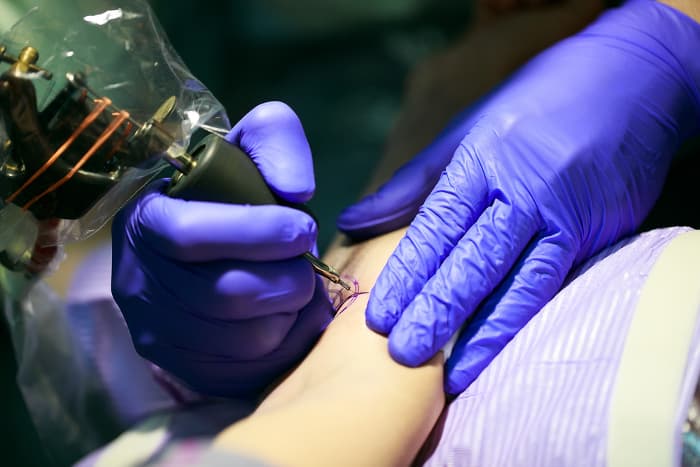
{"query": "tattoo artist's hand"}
(565, 158)
(217, 293)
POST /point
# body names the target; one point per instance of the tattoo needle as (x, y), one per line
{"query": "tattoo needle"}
(325, 270)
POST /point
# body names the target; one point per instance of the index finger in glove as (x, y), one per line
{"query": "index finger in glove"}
(272, 135)
(203, 231)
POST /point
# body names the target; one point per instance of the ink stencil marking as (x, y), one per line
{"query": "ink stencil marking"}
(342, 298)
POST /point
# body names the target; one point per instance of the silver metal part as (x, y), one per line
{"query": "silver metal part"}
(326, 271)
(176, 156)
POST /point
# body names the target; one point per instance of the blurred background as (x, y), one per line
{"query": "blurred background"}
(366, 78)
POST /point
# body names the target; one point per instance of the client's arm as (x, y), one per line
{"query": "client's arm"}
(348, 402)
(689, 7)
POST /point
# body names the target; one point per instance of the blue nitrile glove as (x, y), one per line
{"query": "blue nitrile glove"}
(217, 294)
(565, 158)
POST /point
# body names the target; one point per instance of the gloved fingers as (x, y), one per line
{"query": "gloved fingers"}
(201, 231)
(312, 320)
(228, 376)
(216, 376)
(396, 202)
(234, 290)
(535, 280)
(435, 232)
(222, 328)
(483, 257)
(272, 135)
(245, 339)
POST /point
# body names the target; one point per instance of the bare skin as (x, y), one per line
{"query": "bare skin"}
(340, 406)
(689, 7)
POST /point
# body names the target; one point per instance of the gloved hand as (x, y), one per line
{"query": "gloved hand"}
(565, 158)
(217, 294)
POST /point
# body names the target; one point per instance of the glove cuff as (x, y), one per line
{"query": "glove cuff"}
(669, 40)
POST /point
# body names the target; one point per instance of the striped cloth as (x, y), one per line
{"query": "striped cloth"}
(545, 399)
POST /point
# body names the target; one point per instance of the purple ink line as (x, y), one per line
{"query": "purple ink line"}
(341, 298)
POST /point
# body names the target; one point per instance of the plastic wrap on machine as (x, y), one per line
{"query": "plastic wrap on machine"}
(93, 101)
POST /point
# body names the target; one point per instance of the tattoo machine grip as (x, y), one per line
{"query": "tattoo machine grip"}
(221, 172)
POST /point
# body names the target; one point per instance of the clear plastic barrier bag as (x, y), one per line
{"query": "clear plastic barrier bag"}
(92, 95)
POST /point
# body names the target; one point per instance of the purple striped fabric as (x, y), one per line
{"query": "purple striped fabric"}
(545, 400)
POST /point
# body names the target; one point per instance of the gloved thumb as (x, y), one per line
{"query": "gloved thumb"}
(272, 135)
(396, 203)
(393, 205)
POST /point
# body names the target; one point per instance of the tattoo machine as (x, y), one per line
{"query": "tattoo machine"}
(71, 155)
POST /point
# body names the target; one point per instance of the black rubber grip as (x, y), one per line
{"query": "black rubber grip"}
(225, 174)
